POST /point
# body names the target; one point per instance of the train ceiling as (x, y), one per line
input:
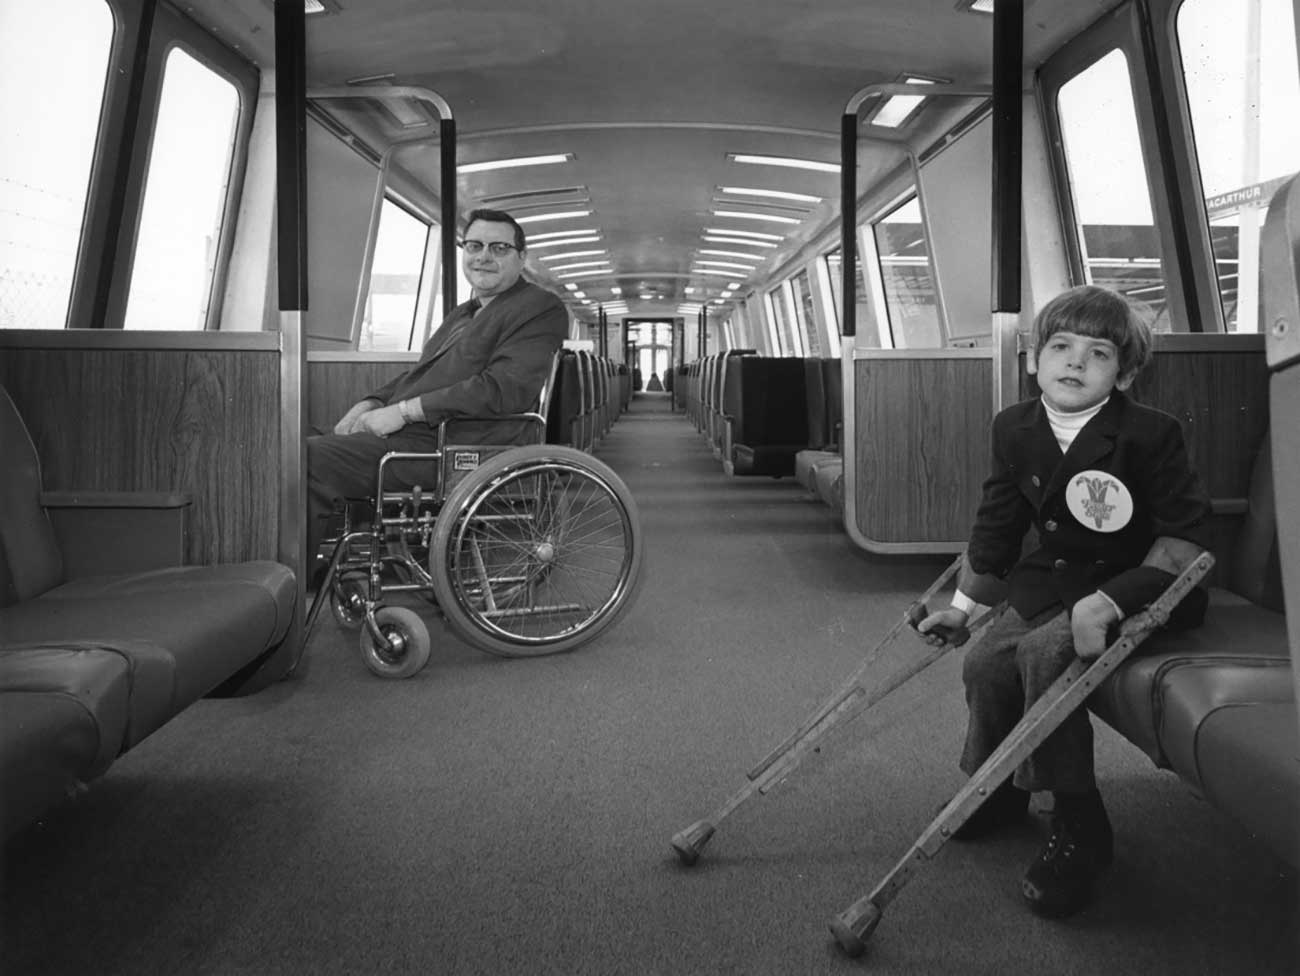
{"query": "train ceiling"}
(651, 100)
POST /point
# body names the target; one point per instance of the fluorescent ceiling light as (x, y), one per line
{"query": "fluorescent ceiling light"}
(588, 274)
(616, 290)
(552, 234)
(896, 109)
(715, 273)
(976, 6)
(745, 191)
(579, 264)
(748, 215)
(558, 215)
(711, 239)
(571, 287)
(734, 254)
(756, 235)
(576, 294)
(787, 161)
(563, 243)
(724, 264)
(572, 254)
(491, 164)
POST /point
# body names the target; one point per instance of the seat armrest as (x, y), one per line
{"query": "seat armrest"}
(102, 532)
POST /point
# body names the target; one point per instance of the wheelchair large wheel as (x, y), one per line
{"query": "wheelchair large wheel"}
(536, 552)
(407, 648)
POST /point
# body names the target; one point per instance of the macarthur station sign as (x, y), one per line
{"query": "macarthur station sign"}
(1231, 202)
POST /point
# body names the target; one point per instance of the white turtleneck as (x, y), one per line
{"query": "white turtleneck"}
(1066, 426)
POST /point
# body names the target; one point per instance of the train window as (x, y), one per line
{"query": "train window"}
(783, 315)
(833, 261)
(904, 259)
(51, 122)
(185, 197)
(1112, 203)
(805, 313)
(1239, 62)
(389, 321)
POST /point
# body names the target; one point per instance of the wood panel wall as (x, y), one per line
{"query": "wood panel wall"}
(922, 441)
(335, 381)
(204, 421)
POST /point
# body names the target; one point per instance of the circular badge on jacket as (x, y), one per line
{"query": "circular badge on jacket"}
(1099, 500)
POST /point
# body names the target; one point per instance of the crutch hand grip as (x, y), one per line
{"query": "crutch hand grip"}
(956, 636)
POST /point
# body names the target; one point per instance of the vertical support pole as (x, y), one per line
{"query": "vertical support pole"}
(849, 223)
(1008, 110)
(291, 253)
(447, 169)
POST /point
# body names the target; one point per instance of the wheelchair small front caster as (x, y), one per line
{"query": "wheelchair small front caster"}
(405, 649)
(348, 600)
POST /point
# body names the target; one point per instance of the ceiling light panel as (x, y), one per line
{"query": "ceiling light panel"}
(745, 191)
(790, 162)
(514, 162)
(558, 215)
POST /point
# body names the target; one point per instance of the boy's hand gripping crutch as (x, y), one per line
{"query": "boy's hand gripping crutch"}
(852, 698)
(853, 926)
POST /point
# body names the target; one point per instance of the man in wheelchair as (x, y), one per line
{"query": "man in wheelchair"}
(489, 358)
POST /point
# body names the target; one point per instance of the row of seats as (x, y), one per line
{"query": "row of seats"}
(1215, 705)
(759, 412)
(89, 667)
(587, 395)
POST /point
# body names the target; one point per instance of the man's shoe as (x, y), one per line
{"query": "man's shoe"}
(1006, 807)
(1059, 882)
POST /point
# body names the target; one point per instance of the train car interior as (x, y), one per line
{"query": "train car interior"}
(801, 248)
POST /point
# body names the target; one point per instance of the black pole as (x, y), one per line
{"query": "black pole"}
(291, 153)
(849, 223)
(1008, 62)
(447, 169)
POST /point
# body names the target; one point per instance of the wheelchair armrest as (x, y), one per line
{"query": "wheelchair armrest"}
(532, 417)
(100, 532)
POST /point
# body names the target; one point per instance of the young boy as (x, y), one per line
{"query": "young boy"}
(1119, 512)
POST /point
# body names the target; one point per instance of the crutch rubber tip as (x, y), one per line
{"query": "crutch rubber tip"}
(852, 928)
(689, 842)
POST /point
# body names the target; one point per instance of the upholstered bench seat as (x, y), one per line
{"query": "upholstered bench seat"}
(184, 630)
(63, 718)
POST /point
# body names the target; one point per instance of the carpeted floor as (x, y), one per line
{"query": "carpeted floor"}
(513, 817)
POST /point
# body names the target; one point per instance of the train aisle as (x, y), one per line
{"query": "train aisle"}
(513, 816)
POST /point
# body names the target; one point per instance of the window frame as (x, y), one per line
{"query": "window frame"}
(1168, 152)
(123, 147)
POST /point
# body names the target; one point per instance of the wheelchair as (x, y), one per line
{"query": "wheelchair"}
(525, 550)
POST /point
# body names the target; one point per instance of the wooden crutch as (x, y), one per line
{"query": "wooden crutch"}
(853, 926)
(852, 698)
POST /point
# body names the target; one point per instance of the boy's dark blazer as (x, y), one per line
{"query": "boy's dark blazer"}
(484, 362)
(1138, 445)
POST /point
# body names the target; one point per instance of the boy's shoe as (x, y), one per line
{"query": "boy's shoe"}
(1005, 807)
(1059, 882)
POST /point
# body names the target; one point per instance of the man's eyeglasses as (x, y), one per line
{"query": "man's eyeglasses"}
(499, 249)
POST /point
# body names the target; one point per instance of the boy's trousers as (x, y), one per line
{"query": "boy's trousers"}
(1005, 673)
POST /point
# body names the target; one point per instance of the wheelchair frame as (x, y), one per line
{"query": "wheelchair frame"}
(497, 506)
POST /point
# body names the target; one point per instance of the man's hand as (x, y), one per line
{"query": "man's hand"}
(381, 421)
(952, 618)
(1090, 620)
(350, 422)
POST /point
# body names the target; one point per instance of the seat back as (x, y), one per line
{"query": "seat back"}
(30, 562)
(1256, 569)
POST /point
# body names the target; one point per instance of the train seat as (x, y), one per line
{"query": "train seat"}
(1217, 704)
(765, 407)
(63, 718)
(176, 633)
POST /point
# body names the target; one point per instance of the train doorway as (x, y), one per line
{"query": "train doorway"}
(653, 348)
